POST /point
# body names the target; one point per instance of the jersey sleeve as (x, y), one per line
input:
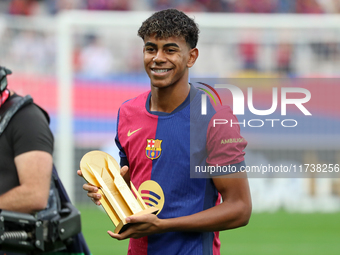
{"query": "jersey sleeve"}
(122, 154)
(30, 131)
(225, 145)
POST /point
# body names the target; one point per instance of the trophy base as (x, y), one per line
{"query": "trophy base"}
(122, 226)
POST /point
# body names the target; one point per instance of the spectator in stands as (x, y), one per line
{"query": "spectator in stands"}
(119, 5)
(284, 54)
(253, 6)
(161, 4)
(336, 4)
(97, 4)
(55, 6)
(116, 5)
(28, 51)
(248, 54)
(326, 50)
(308, 7)
(241, 6)
(214, 5)
(95, 59)
(188, 6)
(22, 7)
(285, 6)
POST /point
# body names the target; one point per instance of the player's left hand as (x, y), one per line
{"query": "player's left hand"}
(143, 225)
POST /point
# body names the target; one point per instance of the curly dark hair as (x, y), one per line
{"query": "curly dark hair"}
(168, 23)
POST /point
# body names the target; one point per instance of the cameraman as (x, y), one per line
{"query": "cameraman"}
(26, 148)
(26, 163)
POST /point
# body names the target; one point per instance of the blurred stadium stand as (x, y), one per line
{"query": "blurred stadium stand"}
(107, 70)
(52, 7)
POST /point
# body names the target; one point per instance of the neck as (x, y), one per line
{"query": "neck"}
(169, 98)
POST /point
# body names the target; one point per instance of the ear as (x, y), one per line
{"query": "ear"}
(193, 55)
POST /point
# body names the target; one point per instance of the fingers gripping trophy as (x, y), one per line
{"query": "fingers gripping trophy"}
(118, 200)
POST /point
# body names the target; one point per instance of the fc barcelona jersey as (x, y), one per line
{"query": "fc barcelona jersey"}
(161, 150)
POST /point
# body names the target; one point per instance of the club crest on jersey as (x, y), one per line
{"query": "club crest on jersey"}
(153, 148)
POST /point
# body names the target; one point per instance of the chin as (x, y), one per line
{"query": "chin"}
(160, 84)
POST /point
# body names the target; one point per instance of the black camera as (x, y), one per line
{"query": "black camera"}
(20, 232)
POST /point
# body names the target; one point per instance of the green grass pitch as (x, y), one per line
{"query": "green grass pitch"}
(278, 233)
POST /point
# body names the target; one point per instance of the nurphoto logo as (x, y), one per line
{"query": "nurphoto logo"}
(239, 104)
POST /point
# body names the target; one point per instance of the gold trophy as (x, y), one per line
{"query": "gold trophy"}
(119, 201)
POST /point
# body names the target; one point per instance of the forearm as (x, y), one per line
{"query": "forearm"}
(24, 199)
(220, 217)
(233, 212)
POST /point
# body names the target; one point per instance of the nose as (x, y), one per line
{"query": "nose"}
(159, 57)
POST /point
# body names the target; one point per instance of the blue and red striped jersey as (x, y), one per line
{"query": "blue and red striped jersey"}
(165, 148)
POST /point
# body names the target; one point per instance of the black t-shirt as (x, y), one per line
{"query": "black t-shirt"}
(28, 130)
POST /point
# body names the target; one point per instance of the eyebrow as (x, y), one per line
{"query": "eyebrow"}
(165, 45)
(171, 44)
(150, 44)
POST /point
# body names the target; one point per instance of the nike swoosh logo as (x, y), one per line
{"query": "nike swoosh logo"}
(131, 133)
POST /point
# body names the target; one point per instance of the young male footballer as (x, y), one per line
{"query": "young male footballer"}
(161, 134)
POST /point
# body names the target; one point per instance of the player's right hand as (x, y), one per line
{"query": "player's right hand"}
(91, 191)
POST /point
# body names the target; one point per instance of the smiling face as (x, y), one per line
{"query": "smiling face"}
(167, 61)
